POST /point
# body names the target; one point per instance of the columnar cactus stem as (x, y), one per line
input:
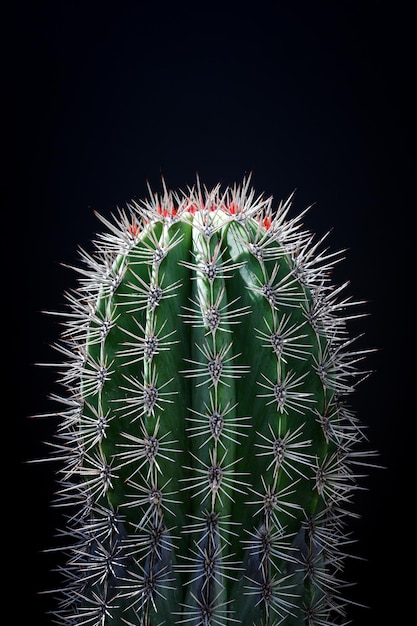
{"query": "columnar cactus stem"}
(209, 453)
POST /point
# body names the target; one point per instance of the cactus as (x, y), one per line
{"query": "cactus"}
(208, 454)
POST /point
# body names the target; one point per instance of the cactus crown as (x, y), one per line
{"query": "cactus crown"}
(208, 452)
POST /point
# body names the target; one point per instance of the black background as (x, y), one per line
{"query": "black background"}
(309, 96)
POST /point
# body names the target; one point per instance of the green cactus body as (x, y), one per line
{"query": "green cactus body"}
(209, 452)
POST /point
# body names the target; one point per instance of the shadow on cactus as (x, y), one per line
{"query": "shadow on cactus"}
(208, 454)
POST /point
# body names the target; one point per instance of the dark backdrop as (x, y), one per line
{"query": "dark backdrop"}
(309, 96)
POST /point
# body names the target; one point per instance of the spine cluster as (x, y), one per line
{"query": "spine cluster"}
(208, 454)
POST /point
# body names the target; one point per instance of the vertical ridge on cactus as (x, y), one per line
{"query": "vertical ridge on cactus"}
(209, 456)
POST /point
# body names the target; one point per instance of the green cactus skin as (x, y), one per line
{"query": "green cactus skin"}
(208, 453)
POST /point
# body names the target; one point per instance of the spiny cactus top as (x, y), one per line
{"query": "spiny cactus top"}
(208, 452)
